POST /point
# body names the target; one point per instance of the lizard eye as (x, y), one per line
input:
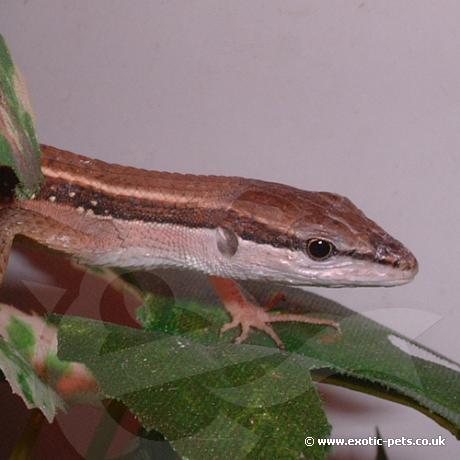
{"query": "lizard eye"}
(319, 249)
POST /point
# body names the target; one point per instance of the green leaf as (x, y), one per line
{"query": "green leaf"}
(367, 356)
(19, 148)
(24, 381)
(181, 379)
(209, 401)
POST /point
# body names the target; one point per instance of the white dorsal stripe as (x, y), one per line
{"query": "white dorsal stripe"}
(133, 192)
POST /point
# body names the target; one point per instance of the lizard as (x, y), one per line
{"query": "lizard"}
(230, 228)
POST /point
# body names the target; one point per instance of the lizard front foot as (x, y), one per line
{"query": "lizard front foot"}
(248, 314)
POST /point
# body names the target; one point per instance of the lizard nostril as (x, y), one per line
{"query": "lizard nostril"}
(406, 262)
(397, 256)
(411, 263)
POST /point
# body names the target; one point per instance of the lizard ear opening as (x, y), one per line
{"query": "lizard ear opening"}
(227, 242)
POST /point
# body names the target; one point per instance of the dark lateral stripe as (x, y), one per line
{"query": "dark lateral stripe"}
(129, 208)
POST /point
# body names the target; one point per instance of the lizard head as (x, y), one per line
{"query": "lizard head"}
(304, 238)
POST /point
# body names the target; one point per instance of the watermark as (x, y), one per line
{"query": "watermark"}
(375, 441)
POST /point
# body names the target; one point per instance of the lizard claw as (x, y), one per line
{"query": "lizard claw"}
(248, 315)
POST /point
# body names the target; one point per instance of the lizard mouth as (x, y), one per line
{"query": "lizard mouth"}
(353, 272)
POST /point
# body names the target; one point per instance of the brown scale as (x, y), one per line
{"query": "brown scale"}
(126, 208)
(263, 212)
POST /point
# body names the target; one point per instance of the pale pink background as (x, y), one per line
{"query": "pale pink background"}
(356, 97)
